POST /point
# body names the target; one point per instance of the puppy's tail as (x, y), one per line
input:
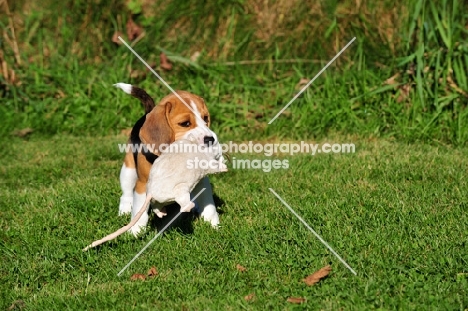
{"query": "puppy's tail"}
(146, 100)
(124, 229)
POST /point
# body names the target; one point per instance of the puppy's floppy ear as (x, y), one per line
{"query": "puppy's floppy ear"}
(157, 130)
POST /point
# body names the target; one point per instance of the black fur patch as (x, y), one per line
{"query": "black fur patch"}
(136, 141)
(145, 99)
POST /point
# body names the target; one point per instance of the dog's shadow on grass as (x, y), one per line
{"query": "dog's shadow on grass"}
(184, 221)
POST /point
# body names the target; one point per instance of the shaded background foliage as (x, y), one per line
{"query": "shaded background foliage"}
(405, 76)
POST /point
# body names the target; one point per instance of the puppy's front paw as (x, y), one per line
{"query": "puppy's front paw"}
(215, 221)
(137, 230)
(125, 206)
(211, 217)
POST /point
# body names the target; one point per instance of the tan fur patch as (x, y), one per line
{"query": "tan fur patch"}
(129, 161)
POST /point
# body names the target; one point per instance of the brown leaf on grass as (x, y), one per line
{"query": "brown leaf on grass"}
(318, 275)
(254, 115)
(138, 276)
(404, 92)
(303, 82)
(241, 268)
(195, 56)
(454, 86)
(9, 75)
(296, 300)
(249, 297)
(24, 132)
(152, 272)
(136, 73)
(133, 30)
(164, 62)
(152, 65)
(60, 94)
(115, 37)
(4, 67)
(392, 79)
(411, 70)
(17, 305)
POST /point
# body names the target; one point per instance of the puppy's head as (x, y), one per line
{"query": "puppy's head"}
(172, 120)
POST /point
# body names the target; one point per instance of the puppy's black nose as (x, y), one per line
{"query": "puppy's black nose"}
(208, 140)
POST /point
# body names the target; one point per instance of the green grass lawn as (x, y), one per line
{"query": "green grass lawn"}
(397, 213)
(395, 210)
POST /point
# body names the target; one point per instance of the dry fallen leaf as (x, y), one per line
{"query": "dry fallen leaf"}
(165, 63)
(404, 92)
(296, 300)
(152, 271)
(23, 132)
(241, 268)
(9, 75)
(454, 86)
(318, 275)
(392, 79)
(249, 297)
(152, 65)
(60, 94)
(17, 304)
(195, 56)
(115, 37)
(133, 30)
(302, 83)
(136, 73)
(138, 276)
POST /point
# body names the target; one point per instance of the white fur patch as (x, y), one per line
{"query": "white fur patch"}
(128, 178)
(138, 201)
(205, 202)
(127, 88)
(201, 130)
(198, 118)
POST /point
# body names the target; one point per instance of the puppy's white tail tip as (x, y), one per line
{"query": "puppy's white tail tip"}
(127, 88)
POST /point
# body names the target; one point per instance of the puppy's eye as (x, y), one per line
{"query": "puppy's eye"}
(185, 124)
(206, 119)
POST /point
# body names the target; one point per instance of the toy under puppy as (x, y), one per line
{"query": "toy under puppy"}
(174, 174)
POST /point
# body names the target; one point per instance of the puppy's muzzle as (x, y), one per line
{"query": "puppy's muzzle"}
(208, 140)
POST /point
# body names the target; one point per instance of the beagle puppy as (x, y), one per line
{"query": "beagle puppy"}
(168, 121)
(171, 180)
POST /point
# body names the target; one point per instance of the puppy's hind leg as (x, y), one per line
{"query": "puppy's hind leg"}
(206, 202)
(128, 178)
(139, 197)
